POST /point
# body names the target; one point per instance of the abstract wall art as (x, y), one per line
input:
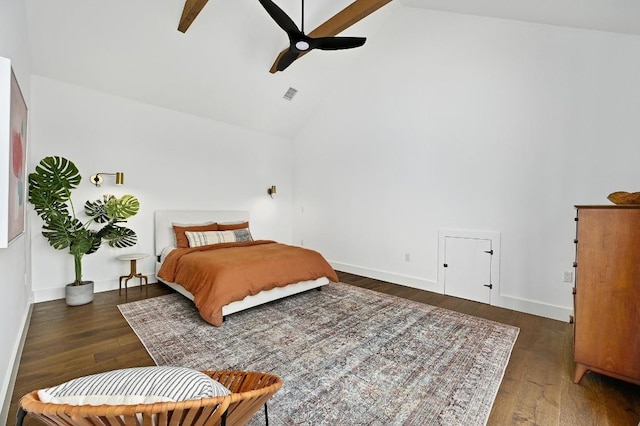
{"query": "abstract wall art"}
(13, 153)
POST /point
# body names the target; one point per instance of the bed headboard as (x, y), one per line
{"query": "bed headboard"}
(164, 220)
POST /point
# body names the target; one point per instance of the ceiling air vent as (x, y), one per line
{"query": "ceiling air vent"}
(290, 93)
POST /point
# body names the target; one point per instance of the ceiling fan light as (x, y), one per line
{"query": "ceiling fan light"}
(302, 45)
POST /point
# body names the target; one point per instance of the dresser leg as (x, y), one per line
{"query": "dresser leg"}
(581, 369)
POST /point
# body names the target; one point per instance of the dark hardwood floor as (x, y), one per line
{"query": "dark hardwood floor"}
(66, 342)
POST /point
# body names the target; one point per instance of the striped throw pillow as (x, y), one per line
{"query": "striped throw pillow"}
(130, 386)
(197, 239)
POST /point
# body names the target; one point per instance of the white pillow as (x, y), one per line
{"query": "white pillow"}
(165, 252)
(130, 386)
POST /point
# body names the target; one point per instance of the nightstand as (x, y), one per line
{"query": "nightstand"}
(132, 258)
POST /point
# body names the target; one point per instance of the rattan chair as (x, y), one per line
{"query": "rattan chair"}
(250, 391)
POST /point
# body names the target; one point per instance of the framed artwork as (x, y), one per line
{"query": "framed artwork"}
(13, 155)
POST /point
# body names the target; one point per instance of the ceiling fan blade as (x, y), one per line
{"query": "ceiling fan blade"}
(278, 15)
(189, 13)
(337, 43)
(342, 20)
(287, 59)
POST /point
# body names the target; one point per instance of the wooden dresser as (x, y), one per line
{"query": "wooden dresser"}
(607, 292)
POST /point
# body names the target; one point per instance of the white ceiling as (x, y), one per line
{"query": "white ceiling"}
(622, 16)
(219, 67)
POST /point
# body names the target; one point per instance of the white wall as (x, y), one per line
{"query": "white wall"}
(464, 122)
(14, 260)
(171, 160)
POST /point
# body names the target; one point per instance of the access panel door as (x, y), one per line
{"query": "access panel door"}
(467, 272)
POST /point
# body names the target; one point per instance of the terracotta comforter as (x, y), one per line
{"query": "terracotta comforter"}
(219, 274)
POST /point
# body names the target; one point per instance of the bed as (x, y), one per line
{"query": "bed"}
(175, 266)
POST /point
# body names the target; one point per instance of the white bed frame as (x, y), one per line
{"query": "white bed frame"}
(164, 237)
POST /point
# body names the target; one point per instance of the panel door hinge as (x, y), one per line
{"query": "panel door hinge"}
(489, 251)
(489, 285)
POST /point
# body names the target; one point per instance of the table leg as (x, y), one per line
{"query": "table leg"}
(133, 274)
(126, 279)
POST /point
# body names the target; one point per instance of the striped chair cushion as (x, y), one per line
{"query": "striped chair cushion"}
(141, 385)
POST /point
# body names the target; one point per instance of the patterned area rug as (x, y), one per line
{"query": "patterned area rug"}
(347, 355)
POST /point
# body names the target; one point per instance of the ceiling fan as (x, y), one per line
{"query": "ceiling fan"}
(342, 20)
(299, 42)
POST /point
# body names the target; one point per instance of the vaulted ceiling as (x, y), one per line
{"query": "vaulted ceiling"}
(219, 68)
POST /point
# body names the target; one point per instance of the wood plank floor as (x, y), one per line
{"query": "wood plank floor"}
(64, 342)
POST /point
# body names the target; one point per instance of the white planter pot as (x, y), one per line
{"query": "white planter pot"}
(77, 295)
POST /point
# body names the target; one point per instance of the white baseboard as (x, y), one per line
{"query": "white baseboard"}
(10, 380)
(540, 309)
(406, 280)
(56, 293)
(521, 305)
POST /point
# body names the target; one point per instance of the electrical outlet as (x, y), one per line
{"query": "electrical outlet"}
(301, 242)
(407, 257)
(567, 277)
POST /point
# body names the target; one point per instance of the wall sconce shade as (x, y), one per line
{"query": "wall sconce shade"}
(271, 190)
(97, 178)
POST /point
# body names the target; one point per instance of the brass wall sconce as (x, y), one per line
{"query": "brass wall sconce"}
(271, 190)
(97, 178)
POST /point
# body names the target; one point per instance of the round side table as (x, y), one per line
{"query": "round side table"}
(132, 258)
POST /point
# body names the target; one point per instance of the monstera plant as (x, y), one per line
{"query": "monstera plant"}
(50, 188)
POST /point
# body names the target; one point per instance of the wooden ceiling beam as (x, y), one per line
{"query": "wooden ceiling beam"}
(191, 10)
(342, 20)
(348, 16)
